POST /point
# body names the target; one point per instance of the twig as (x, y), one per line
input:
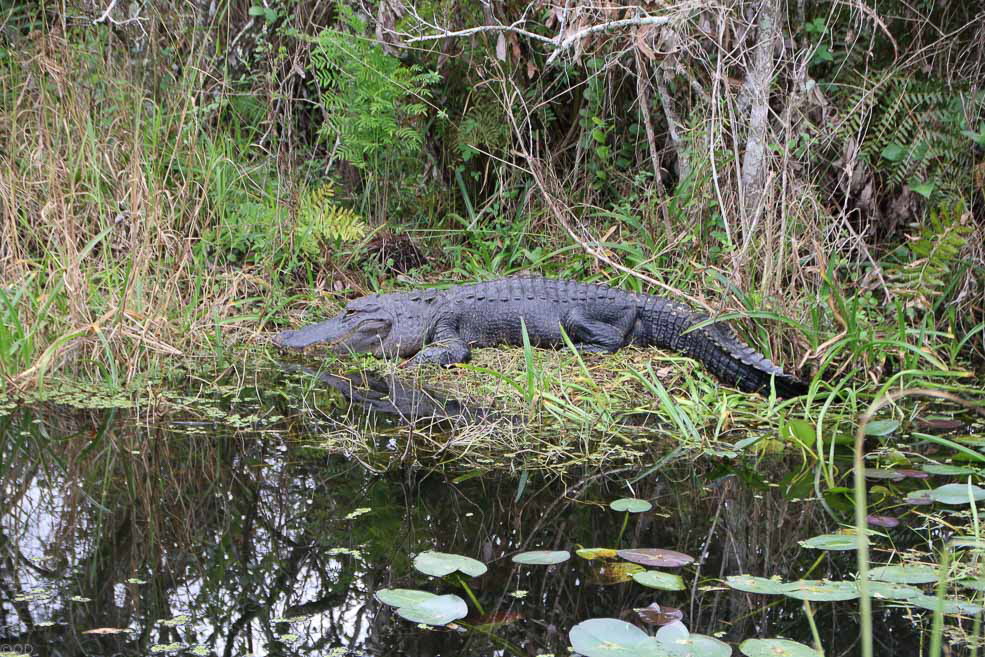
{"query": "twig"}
(105, 15)
(571, 39)
(445, 34)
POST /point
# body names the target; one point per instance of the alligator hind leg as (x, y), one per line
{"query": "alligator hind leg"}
(590, 334)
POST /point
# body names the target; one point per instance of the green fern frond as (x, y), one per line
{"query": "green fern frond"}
(321, 219)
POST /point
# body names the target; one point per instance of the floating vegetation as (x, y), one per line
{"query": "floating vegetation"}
(158, 648)
(542, 557)
(358, 512)
(439, 564)
(176, 621)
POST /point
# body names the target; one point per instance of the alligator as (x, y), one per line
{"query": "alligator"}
(442, 326)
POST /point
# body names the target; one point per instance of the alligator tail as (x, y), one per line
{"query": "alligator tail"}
(718, 348)
(738, 364)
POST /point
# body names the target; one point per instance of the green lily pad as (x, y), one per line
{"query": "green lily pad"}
(946, 469)
(402, 597)
(904, 574)
(658, 580)
(618, 572)
(439, 564)
(918, 497)
(542, 557)
(821, 591)
(611, 637)
(439, 610)
(946, 605)
(753, 584)
(695, 645)
(775, 648)
(892, 590)
(880, 473)
(831, 542)
(881, 427)
(656, 557)
(630, 505)
(957, 493)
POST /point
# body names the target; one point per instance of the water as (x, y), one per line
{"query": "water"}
(260, 517)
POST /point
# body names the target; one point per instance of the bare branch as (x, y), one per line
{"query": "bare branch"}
(494, 29)
(572, 39)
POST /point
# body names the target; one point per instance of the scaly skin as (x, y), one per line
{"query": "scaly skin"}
(443, 326)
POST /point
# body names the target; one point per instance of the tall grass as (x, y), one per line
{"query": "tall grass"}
(106, 192)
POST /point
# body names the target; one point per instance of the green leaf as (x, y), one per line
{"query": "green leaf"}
(910, 574)
(924, 189)
(894, 152)
(695, 645)
(659, 580)
(402, 597)
(831, 542)
(753, 584)
(892, 591)
(946, 605)
(775, 648)
(630, 505)
(542, 557)
(881, 427)
(440, 610)
(439, 564)
(611, 637)
(946, 469)
(597, 553)
(958, 494)
(821, 591)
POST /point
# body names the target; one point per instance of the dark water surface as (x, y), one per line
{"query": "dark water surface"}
(222, 527)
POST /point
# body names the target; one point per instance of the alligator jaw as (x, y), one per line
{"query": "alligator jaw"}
(329, 332)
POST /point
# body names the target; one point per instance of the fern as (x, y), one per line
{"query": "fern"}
(321, 220)
(371, 100)
(933, 252)
(911, 132)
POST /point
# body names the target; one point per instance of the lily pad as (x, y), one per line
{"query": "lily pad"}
(911, 574)
(918, 498)
(882, 521)
(439, 564)
(658, 580)
(821, 591)
(630, 505)
(402, 597)
(957, 493)
(881, 427)
(542, 557)
(616, 573)
(892, 591)
(597, 553)
(656, 557)
(439, 610)
(753, 584)
(946, 469)
(879, 473)
(775, 648)
(946, 605)
(611, 637)
(697, 645)
(831, 542)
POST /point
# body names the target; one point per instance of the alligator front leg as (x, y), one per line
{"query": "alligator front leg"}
(447, 347)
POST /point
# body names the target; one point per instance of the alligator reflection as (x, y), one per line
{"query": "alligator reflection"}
(390, 395)
(119, 538)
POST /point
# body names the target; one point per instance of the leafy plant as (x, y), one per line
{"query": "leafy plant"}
(320, 219)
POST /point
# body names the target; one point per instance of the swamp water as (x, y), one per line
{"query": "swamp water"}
(264, 515)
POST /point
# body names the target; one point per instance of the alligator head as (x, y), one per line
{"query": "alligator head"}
(380, 324)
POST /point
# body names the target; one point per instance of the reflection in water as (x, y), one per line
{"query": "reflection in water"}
(123, 538)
